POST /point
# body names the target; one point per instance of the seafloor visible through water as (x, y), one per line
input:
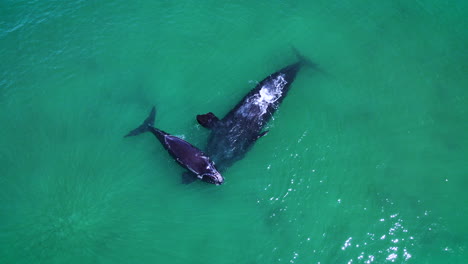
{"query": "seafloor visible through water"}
(365, 161)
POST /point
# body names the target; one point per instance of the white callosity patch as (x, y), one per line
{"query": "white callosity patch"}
(268, 94)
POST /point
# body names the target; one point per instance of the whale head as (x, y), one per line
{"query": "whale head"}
(213, 177)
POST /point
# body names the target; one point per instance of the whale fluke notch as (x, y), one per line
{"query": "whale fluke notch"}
(207, 120)
(145, 126)
(306, 61)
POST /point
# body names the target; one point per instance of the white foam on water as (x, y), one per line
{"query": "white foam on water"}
(270, 93)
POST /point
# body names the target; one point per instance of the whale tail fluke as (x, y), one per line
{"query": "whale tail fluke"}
(145, 126)
(306, 61)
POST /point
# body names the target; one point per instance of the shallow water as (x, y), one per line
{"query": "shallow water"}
(365, 161)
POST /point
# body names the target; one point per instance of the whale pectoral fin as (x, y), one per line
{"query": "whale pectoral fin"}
(262, 134)
(188, 178)
(207, 120)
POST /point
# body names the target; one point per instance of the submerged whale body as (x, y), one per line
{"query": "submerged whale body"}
(193, 159)
(232, 136)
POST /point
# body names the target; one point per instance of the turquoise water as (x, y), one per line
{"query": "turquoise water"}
(365, 162)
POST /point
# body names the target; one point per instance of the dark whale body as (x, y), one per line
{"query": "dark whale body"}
(198, 164)
(233, 136)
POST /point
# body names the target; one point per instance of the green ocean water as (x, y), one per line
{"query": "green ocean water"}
(365, 161)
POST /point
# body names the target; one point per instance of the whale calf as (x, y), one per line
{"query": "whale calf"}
(198, 164)
(232, 136)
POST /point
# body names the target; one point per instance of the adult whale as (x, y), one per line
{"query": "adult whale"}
(199, 165)
(232, 136)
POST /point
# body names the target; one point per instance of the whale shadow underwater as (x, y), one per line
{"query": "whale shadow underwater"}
(198, 164)
(234, 135)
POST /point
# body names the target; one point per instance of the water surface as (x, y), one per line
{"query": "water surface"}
(365, 162)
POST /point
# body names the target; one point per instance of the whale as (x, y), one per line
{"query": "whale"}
(232, 136)
(197, 163)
